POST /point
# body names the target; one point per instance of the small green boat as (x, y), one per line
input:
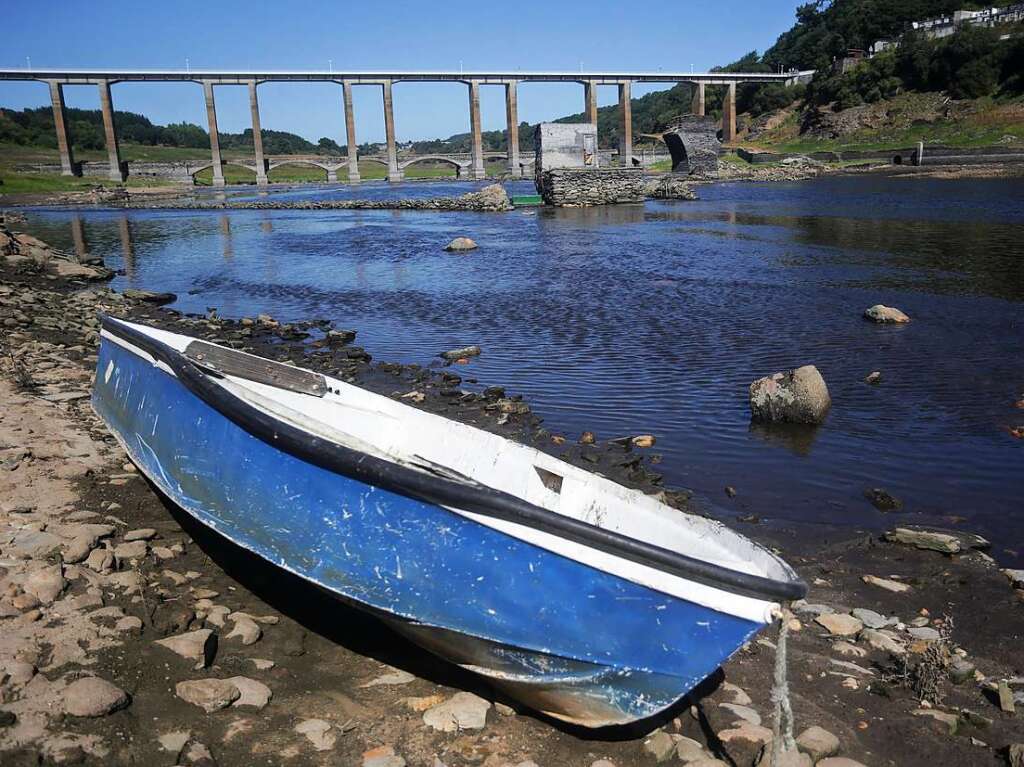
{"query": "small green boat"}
(525, 200)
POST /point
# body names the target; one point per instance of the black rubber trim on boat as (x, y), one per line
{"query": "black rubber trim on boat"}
(475, 498)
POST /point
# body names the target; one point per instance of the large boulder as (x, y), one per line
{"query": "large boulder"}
(798, 396)
(461, 244)
(885, 314)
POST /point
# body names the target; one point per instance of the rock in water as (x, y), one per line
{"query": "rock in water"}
(150, 296)
(93, 697)
(461, 244)
(883, 500)
(884, 314)
(798, 396)
(461, 353)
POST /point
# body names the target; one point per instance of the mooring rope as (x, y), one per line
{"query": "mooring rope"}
(782, 728)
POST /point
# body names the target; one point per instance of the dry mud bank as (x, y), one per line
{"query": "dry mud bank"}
(128, 635)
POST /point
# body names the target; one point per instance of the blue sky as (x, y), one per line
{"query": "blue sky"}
(299, 34)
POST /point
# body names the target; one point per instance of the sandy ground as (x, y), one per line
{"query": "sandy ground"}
(96, 568)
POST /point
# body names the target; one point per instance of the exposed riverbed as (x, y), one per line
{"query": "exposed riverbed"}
(655, 319)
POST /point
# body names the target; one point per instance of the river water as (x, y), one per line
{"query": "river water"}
(656, 318)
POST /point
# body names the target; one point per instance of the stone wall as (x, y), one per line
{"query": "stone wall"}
(577, 187)
(693, 142)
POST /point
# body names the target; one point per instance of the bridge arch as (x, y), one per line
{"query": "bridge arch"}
(194, 172)
(693, 143)
(433, 158)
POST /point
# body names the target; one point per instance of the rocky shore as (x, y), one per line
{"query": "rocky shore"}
(130, 635)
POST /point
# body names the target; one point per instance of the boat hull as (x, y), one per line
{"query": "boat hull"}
(565, 638)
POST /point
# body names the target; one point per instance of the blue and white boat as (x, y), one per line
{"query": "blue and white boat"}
(583, 599)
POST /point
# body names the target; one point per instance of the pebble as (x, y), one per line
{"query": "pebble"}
(874, 377)
(743, 743)
(262, 664)
(660, 745)
(129, 624)
(463, 711)
(209, 694)
(817, 742)
(739, 695)
(884, 583)
(382, 756)
(396, 677)
(143, 534)
(135, 550)
(745, 713)
(318, 732)
(840, 625)
(924, 632)
(93, 697)
(246, 629)
(100, 560)
(871, 619)
(883, 642)
(46, 584)
(196, 754)
(200, 646)
(78, 549)
(252, 693)
(174, 741)
(848, 649)
(814, 609)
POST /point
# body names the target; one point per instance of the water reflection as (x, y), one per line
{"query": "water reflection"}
(127, 247)
(78, 237)
(656, 318)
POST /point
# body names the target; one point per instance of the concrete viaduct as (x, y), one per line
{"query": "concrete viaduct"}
(103, 79)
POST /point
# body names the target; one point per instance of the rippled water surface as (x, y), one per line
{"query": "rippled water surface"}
(656, 319)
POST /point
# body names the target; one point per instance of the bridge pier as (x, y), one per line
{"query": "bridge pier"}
(118, 172)
(257, 136)
(67, 159)
(332, 176)
(697, 105)
(394, 172)
(477, 171)
(211, 117)
(625, 125)
(512, 123)
(729, 115)
(350, 130)
(590, 109)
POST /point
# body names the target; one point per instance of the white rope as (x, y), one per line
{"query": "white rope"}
(782, 727)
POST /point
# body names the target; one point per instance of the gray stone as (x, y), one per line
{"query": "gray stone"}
(1015, 754)
(961, 670)
(885, 583)
(881, 641)
(743, 744)
(1016, 578)
(746, 713)
(45, 584)
(100, 560)
(149, 296)
(246, 630)
(33, 544)
(950, 722)
(463, 711)
(840, 625)
(925, 539)
(797, 396)
(871, 619)
(199, 646)
(209, 694)
(924, 632)
(196, 754)
(660, 745)
(461, 244)
(134, 550)
(93, 697)
(786, 759)
(252, 693)
(318, 732)
(818, 742)
(689, 750)
(814, 609)
(885, 314)
(143, 534)
(174, 741)
(78, 549)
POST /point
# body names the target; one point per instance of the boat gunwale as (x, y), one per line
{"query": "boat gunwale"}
(413, 483)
